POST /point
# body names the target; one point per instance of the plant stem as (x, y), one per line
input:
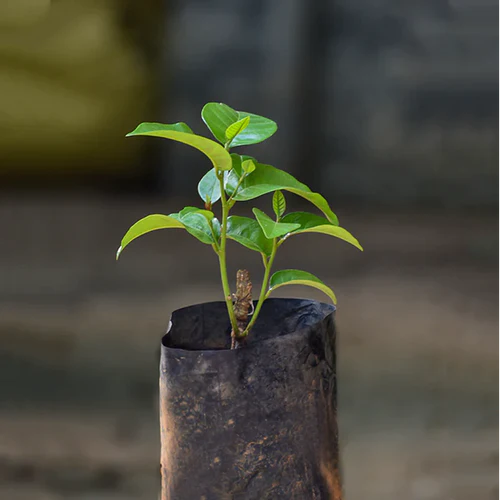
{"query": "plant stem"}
(242, 178)
(263, 290)
(222, 255)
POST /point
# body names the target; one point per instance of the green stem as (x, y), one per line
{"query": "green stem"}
(215, 245)
(263, 290)
(222, 256)
(241, 179)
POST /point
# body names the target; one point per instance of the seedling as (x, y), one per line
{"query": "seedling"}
(235, 178)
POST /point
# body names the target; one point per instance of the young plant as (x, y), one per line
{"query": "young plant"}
(235, 178)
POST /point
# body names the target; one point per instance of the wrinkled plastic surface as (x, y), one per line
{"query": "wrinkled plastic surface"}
(254, 423)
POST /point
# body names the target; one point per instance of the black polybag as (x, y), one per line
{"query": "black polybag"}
(253, 423)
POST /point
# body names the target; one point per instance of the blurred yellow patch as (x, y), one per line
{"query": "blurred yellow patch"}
(72, 84)
(17, 13)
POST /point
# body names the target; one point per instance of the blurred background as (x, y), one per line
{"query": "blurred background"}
(390, 109)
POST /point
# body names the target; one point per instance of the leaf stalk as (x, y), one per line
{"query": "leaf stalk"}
(263, 291)
(222, 255)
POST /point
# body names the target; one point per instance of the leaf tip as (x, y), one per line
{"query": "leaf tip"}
(134, 132)
(118, 252)
(357, 244)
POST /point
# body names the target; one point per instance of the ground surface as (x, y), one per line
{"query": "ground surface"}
(418, 349)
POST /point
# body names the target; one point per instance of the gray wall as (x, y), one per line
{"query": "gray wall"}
(384, 103)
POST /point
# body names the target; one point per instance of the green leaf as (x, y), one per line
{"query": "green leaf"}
(180, 132)
(209, 187)
(272, 229)
(197, 223)
(230, 183)
(248, 233)
(236, 128)
(305, 219)
(237, 164)
(279, 203)
(216, 227)
(266, 179)
(218, 117)
(190, 210)
(258, 130)
(248, 166)
(233, 177)
(319, 201)
(296, 277)
(336, 231)
(312, 223)
(153, 127)
(146, 225)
